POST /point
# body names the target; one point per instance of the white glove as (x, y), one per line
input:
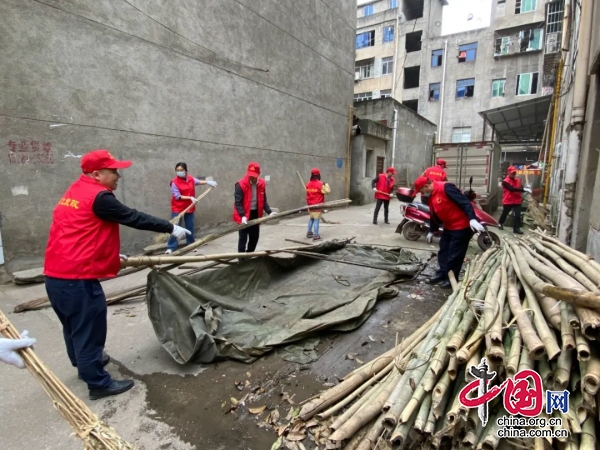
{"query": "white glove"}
(8, 354)
(244, 220)
(374, 189)
(476, 226)
(179, 232)
(528, 190)
(123, 257)
(212, 183)
(429, 237)
(194, 200)
(273, 213)
(391, 194)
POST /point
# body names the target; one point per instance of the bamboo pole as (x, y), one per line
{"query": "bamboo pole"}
(583, 348)
(595, 265)
(423, 413)
(512, 362)
(551, 309)
(590, 382)
(588, 435)
(566, 331)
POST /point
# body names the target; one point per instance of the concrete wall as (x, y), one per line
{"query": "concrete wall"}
(362, 170)
(414, 139)
(214, 83)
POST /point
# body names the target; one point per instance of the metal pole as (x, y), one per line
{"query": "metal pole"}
(395, 127)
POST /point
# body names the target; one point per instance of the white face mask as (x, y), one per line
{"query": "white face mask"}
(181, 174)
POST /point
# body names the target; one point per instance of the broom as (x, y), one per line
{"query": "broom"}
(96, 435)
(160, 238)
(308, 208)
(535, 211)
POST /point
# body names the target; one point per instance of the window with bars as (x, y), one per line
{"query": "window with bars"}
(388, 34)
(502, 46)
(387, 66)
(498, 87)
(462, 134)
(527, 83)
(363, 96)
(365, 39)
(523, 6)
(555, 17)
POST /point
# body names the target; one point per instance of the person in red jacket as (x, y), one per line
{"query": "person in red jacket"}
(512, 198)
(383, 186)
(452, 209)
(250, 202)
(315, 194)
(83, 246)
(183, 194)
(435, 173)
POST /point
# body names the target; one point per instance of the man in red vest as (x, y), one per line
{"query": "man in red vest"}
(83, 246)
(383, 186)
(512, 198)
(250, 202)
(452, 209)
(435, 173)
(315, 194)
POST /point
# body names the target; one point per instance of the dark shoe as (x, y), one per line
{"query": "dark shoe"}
(437, 279)
(309, 234)
(517, 232)
(386, 222)
(317, 238)
(446, 285)
(374, 222)
(501, 227)
(115, 388)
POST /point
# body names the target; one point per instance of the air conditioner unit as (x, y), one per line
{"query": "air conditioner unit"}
(356, 76)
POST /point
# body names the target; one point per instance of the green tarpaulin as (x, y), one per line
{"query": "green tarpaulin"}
(243, 310)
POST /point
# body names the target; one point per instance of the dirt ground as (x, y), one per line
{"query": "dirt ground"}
(193, 406)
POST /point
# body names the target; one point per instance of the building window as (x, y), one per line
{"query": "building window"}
(467, 52)
(412, 9)
(363, 96)
(527, 83)
(434, 92)
(364, 69)
(387, 66)
(436, 58)
(413, 41)
(523, 6)
(367, 10)
(385, 93)
(461, 134)
(365, 39)
(465, 88)
(411, 77)
(388, 34)
(393, 4)
(412, 104)
(498, 88)
(530, 40)
(555, 17)
(502, 46)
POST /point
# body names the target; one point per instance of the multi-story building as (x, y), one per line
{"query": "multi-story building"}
(451, 79)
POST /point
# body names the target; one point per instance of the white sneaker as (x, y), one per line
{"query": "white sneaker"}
(168, 252)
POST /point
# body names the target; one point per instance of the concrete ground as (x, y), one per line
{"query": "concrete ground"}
(183, 407)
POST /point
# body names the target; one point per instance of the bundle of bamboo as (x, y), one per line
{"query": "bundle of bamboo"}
(529, 304)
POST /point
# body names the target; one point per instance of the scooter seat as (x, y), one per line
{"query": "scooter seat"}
(421, 207)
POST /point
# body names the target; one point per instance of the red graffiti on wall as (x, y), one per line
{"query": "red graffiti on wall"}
(28, 152)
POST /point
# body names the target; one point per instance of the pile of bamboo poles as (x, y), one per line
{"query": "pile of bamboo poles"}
(96, 435)
(528, 304)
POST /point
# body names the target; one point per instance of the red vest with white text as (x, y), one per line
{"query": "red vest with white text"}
(435, 173)
(260, 198)
(186, 188)
(451, 215)
(509, 197)
(384, 185)
(81, 246)
(314, 194)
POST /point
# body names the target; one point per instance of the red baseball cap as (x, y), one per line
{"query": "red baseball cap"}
(101, 159)
(391, 169)
(512, 169)
(315, 171)
(253, 170)
(441, 162)
(420, 182)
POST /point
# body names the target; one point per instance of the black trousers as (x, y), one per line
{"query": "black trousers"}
(81, 308)
(386, 209)
(453, 249)
(249, 236)
(506, 209)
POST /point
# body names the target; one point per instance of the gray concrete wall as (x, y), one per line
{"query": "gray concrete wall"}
(214, 83)
(414, 139)
(363, 173)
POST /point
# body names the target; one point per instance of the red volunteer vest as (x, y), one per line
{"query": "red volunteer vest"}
(186, 188)
(509, 197)
(435, 173)
(383, 186)
(446, 210)
(314, 196)
(260, 198)
(81, 246)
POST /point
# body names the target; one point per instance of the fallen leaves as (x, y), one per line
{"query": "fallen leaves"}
(257, 410)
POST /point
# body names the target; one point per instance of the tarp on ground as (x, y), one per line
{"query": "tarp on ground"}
(242, 311)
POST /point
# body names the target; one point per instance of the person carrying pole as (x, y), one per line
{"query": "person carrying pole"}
(512, 198)
(452, 209)
(435, 173)
(383, 187)
(83, 246)
(315, 194)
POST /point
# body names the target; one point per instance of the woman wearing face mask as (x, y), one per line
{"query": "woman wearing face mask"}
(183, 193)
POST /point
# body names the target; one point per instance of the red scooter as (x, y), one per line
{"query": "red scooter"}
(416, 219)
